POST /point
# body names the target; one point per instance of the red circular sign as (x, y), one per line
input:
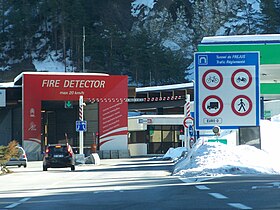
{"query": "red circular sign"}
(237, 82)
(212, 79)
(241, 105)
(218, 105)
(188, 121)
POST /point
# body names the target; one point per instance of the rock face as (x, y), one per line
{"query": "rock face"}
(53, 32)
(181, 24)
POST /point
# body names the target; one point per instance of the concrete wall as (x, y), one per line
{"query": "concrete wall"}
(139, 149)
(113, 154)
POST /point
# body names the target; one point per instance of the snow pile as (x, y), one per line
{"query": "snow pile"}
(269, 141)
(174, 153)
(214, 159)
(275, 118)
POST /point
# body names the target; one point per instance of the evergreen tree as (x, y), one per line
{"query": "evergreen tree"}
(271, 10)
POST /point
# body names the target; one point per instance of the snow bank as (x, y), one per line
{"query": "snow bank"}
(174, 154)
(214, 159)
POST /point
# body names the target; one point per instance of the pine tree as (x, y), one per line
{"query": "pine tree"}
(271, 10)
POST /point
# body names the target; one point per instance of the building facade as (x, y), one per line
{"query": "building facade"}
(47, 110)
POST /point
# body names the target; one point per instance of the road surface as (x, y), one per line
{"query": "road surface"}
(132, 184)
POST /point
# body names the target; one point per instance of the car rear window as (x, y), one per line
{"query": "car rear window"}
(20, 152)
(58, 150)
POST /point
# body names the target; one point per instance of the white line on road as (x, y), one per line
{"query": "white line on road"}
(195, 179)
(202, 187)
(13, 205)
(261, 187)
(24, 199)
(239, 206)
(218, 195)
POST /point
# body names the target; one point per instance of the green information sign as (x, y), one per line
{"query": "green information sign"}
(223, 141)
(267, 114)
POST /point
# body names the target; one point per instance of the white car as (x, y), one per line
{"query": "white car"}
(20, 160)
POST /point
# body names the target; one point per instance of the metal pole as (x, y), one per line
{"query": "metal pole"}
(81, 118)
(84, 39)
(262, 107)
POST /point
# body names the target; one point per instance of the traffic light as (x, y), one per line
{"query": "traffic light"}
(68, 104)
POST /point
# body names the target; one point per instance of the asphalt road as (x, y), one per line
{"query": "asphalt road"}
(132, 184)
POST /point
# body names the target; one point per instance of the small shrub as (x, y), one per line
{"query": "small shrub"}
(7, 152)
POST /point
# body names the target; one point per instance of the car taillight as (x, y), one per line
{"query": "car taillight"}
(24, 155)
(69, 151)
(47, 151)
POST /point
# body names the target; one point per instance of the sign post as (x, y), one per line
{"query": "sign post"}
(187, 113)
(81, 118)
(188, 124)
(227, 89)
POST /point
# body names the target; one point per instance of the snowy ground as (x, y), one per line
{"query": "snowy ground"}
(216, 159)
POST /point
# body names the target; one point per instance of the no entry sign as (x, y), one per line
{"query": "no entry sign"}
(227, 89)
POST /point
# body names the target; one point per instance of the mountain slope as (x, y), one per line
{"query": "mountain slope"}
(152, 41)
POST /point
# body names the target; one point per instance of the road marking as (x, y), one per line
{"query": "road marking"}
(202, 187)
(261, 187)
(274, 185)
(218, 195)
(13, 205)
(195, 179)
(239, 206)
(24, 199)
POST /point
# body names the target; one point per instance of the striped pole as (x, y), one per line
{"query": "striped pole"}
(81, 109)
(188, 107)
(81, 118)
(187, 113)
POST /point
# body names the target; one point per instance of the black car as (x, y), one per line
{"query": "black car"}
(59, 156)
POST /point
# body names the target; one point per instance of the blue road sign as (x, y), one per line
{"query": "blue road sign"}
(81, 126)
(227, 89)
(191, 131)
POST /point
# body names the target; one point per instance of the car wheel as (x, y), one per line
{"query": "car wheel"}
(19, 166)
(72, 167)
(45, 168)
(24, 166)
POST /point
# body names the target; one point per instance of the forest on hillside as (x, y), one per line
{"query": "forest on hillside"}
(104, 36)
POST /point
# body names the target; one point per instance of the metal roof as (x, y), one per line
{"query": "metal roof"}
(238, 39)
(165, 87)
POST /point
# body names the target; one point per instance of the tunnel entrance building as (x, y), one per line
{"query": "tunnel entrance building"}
(50, 109)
